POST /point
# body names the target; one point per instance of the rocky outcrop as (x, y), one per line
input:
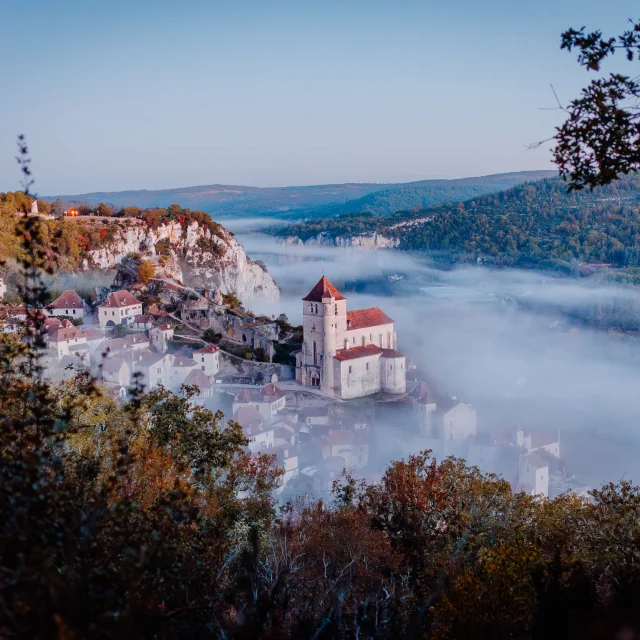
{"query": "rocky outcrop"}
(191, 254)
(361, 241)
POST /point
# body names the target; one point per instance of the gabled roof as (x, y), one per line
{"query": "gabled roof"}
(68, 300)
(535, 461)
(361, 318)
(119, 299)
(392, 353)
(136, 338)
(183, 361)
(324, 289)
(143, 319)
(113, 365)
(62, 334)
(208, 349)
(200, 379)
(543, 438)
(357, 352)
(114, 344)
(92, 334)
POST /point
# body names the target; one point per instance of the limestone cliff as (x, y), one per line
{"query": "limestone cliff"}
(362, 241)
(190, 253)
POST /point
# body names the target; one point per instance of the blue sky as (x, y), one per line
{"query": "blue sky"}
(151, 94)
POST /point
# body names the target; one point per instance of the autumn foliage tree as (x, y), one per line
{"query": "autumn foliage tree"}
(146, 271)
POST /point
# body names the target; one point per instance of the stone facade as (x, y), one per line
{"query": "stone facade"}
(347, 354)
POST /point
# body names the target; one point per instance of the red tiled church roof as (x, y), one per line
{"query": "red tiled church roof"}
(392, 353)
(361, 318)
(357, 352)
(324, 289)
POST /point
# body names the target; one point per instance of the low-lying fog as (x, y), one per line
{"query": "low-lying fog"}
(510, 342)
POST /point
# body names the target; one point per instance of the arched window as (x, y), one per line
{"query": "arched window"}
(315, 353)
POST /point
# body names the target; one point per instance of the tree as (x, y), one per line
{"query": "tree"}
(57, 209)
(600, 140)
(146, 271)
(210, 335)
(232, 300)
(104, 210)
(44, 207)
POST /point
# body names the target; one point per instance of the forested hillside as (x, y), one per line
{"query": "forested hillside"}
(532, 224)
(427, 193)
(307, 201)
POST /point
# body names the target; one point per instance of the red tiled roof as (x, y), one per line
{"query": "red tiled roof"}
(136, 338)
(143, 319)
(68, 300)
(372, 317)
(208, 349)
(120, 299)
(535, 461)
(341, 437)
(61, 334)
(324, 289)
(272, 392)
(357, 352)
(392, 353)
(92, 334)
(543, 438)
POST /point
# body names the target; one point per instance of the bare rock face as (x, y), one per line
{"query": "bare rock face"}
(191, 254)
(362, 241)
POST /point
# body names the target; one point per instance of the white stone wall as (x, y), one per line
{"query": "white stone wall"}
(72, 313)
(393, 375)
(459, 424)
(382, 336)
(358, 377)
(534, 476)
(118, 315)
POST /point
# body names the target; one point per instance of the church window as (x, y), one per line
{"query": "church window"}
(315, 353)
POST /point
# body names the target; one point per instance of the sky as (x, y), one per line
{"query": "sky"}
(133, 94)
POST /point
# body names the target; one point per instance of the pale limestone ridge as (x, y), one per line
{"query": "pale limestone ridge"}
(193, 258)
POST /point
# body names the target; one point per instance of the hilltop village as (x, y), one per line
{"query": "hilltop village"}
(335, 393)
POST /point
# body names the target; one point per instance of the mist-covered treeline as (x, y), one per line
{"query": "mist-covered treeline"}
(538, 224)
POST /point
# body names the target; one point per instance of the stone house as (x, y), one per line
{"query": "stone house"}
(208, 359)
(67, 304)
(120, 307)
(117, 371)
(160, 337)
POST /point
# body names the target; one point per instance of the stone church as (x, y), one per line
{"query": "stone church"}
(348, 354)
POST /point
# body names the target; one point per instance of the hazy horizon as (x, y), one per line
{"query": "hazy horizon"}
(129, 95)
(285, 186)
